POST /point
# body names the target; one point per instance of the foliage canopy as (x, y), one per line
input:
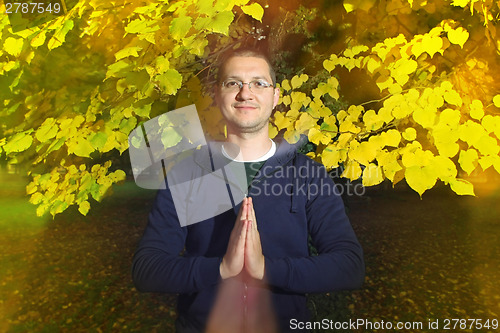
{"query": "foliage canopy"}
(384, 89)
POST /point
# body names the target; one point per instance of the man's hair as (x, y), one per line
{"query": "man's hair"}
(244, 52)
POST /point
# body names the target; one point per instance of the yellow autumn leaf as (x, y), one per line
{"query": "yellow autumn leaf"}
(364, 153)
(487, 161)
(460, 3)
(305, 122)
(332, 156)
(487, 145)
(416, 157)
(285, 84)
(420, 179)
(13, 46)
(389, 163)
(432, 44)
(476, 109)
(462, 187)
(281, 121)
(447, 148)
(291, 135)
(372, 175)
(372, 121)
(352, 170)
(450, 117)
(458, 36)
(471, 132)
(410, 134)
(317, 109)
(373, 64)
(330, 124)
(298, 80)
(468, 160)
(425, 116)
(255, 10)
(348, 127)
(384, 82)
(496, 101)
(317, 137)
(287, 100)
(391, 138)
(329, 65)
(446, 170)
(453, 97)
(273, 131)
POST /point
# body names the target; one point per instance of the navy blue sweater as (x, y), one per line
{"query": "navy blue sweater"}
(293, 198)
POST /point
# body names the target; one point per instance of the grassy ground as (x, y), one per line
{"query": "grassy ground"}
(434, 258)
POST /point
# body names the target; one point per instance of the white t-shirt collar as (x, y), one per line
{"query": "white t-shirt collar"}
(264, 157)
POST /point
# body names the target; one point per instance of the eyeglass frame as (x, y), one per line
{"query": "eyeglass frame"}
(241, 84)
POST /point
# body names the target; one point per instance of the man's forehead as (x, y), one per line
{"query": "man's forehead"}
(246, 66)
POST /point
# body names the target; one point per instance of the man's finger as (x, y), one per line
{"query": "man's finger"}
(242, 214)
(251, 213)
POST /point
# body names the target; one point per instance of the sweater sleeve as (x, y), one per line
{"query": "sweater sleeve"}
(339, 264)
(158, 265)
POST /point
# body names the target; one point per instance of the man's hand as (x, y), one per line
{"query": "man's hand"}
(244, 248)
(234, 259)
(254, 259)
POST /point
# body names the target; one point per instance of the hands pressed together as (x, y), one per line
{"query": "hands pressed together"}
(244, 251)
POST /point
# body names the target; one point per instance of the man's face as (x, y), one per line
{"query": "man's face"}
(246, 111)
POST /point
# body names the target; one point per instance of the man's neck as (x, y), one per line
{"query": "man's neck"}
(251, 146)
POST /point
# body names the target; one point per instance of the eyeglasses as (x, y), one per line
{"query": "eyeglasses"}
(237, 85)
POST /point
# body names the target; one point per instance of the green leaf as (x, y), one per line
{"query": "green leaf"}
(19, 142)
(127, 52)
(221, 22)
(47, 130)
(98, 140)
(255, 10)
(81, 147)
(169, 82)
(60, 35)
(55, 145)
(118, 69)
(39, 39)
(84, 207)
(127, 125)
(170, 137)
(142, 26)
(180, 27)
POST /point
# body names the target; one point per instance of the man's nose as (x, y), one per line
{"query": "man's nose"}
(245, 93)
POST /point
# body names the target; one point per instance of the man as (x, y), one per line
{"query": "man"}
(255, 257)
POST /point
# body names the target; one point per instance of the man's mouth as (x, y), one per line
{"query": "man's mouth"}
(245, 107)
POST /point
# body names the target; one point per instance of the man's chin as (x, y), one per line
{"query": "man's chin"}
(248, 127)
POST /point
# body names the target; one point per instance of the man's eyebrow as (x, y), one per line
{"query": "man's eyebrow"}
(236, 77)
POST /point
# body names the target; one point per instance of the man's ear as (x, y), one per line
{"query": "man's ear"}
(276, 97)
